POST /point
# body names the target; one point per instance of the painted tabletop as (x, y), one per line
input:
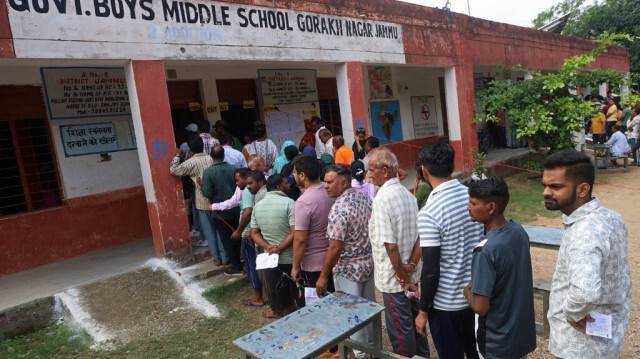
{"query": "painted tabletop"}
(544, 237)
(312, 329)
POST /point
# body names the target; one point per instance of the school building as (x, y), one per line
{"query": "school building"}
(95, 95)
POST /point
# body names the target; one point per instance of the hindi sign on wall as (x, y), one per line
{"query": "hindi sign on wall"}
(287, 86)
(85, 139)
(80, 92)
(425, 118)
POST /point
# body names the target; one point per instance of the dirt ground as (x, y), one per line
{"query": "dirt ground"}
(621, 200)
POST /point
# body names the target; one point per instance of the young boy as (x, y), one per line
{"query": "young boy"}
(501, 287)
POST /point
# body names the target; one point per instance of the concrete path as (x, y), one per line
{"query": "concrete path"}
(26, 286)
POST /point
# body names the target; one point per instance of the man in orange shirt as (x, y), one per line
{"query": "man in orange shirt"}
(344, 154)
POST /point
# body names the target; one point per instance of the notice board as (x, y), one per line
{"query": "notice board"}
(85, 139)
(287, 86)
(82, 92)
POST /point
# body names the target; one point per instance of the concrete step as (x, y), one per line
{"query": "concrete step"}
(201, 271)
(218, 281)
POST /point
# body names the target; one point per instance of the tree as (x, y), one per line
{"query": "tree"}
(589, 22)
(542, 109)
(566, 6)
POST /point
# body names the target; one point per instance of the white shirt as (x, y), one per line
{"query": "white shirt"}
(592, 274)
(232, 202)
(234, 157)
(393, 220)
(319, 145)
(635, 124)
(619, 145)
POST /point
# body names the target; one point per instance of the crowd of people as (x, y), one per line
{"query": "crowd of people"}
(615, 124)
(443, 257)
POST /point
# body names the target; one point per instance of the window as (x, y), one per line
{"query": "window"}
(28, 169)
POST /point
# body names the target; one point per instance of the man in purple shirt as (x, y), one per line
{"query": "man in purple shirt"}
(312, 208)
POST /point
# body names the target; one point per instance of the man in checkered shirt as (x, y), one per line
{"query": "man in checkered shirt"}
(393, 234)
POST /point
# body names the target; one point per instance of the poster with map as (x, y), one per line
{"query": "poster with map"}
(385, 121)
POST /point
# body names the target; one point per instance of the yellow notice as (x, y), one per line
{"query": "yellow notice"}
(194, 106)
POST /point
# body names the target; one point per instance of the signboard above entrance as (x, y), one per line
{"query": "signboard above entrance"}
(196, 29)
(287, 86)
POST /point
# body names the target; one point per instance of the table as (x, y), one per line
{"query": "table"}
(310, 331)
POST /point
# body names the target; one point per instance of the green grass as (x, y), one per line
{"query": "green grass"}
(526, 202)
(211, 339)
(58, 340)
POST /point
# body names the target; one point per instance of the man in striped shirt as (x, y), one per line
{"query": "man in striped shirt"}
(447, 237)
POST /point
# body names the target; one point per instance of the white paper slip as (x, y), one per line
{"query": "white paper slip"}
(601, 327)
(310, 295)
(266, 260)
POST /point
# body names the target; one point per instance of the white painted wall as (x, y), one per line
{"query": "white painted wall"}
(420, 81)
(82, 175)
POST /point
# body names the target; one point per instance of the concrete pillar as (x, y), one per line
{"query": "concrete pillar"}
(460, 98)
(6, 38)
(603, 90)
(147, 86)
(353, 109)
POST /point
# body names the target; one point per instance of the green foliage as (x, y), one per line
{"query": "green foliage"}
(566, 6)
(542, 109)
(478, 163)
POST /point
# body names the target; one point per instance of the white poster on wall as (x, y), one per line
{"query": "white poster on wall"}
(81, 92)
(425, 118)
(196, 29)
(287, 86)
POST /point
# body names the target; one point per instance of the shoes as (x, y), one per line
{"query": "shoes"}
(194, 233)
(200, 243)
(233, 272)
(217, 262)
(329, 354)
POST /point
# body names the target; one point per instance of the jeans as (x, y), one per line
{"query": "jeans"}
(225, 228)
(194, 213)
(211, 235)
(634, 149)
(248, 250)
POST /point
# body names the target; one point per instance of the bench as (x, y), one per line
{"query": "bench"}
(546, 238)
(604, 164)
(543, 289)
(312, 330)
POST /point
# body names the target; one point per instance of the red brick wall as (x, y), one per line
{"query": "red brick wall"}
(81, 225)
